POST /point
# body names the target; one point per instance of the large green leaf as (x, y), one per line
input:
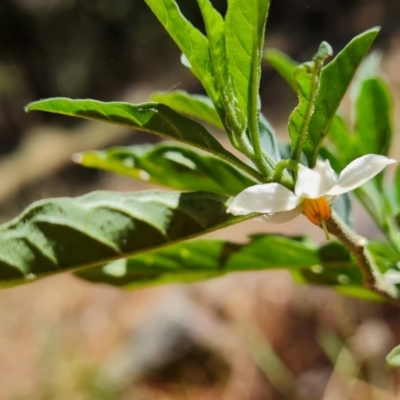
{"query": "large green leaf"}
(192, 43)
(373, 128)
(168, 164)
(150, 117)
(195, 105)
(335, 79)
(307, 79)
(62, 234)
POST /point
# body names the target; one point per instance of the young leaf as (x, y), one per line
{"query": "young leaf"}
(268, 140)
(335, 79)
(56, 235)
(193, 105)
(283, 64)
(234, 115)
(373, 118)
(191, 41)
(150, 117)
(245, 26)
(175, 166)
(306, 77)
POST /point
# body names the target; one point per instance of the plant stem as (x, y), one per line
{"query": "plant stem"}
(357, 245)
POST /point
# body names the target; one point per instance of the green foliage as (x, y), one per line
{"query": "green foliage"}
(193, 105)
(150, 117)
(393, 358)
(63, 234)
(167, 164)
(113, 230)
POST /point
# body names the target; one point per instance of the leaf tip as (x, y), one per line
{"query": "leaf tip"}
(77, 158)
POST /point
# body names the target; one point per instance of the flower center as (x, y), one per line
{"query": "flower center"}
(317, 210)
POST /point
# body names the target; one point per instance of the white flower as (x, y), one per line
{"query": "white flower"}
(314, 190)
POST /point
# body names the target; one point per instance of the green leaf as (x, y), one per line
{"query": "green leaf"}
(393, 358)
(202, 259)
(63, 234)
(306, 77)
(150, 117)
(397, 185)
(343, 141)
(234, 116)
(283, 64)
(245, 26)
(335, 79)
(193, 105)
(191, 42)
(268, 140)
(175, 166)
(373, 118)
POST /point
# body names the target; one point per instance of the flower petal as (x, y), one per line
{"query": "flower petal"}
(266, 199)
(281, 217)
(358, 172)
(313, 183)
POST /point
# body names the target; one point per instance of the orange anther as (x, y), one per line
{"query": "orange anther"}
(317, 209)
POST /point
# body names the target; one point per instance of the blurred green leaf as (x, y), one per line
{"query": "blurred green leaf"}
(189, 261)
(335, 79)
(150, 117)
(192, 43)
(62, 234)
(306, 77)
(373, 118)
(339, 134)
(194, 105)
(168, 164)
(393, 358)
(283, 64)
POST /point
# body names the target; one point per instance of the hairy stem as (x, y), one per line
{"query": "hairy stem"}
(357, 245)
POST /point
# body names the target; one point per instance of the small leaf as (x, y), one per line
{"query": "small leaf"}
(190, 40)
(149, 117)
(373, 118)
(393, 358)
(175, 166)
(283, 64)
(335, 79)
(193, 105)
(63, 234)
(306, 77)
(268, 140)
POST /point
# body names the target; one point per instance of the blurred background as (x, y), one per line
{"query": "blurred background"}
(248, 336)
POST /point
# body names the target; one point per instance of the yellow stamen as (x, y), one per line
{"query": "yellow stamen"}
(317, 211)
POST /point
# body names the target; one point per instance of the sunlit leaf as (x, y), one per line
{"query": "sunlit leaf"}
(168, 164)
(150, 117)
(64, 234)
(191, 42)
(194, 105)
(393, 358)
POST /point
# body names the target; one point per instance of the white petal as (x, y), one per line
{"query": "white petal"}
(266, 199)
(281, 217)
(313, 183)
(359, 171)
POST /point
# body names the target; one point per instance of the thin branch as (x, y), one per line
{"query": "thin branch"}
(357, 245)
